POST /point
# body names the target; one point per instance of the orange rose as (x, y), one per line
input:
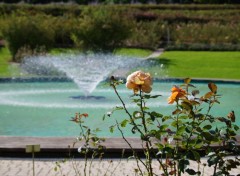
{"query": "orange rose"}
(176, 94)
(139, 81)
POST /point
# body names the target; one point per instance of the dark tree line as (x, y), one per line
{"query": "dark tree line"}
(123, 1)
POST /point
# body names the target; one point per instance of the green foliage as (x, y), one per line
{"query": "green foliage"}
(147, 34)
(28, 31)
(184, 136)
(175, 27)
(207, 36)
(101, 29)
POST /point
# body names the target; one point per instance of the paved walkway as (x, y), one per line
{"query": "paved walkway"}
(50, 166)
(57, 167)
(156, 53)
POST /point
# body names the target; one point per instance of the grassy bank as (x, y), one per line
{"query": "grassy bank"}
(194, 64)
(201, 64)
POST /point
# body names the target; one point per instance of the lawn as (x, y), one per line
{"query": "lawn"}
(5, 58)
(201, 64)
(178, 64)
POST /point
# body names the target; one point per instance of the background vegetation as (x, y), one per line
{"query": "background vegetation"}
(33, 29)
(117, 1)
(106, 28)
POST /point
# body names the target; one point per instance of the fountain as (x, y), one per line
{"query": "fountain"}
(87, 71)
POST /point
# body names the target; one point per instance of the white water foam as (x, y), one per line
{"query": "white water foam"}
(87, 71)
(19, 98)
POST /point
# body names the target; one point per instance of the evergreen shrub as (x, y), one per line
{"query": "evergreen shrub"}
(28, 31)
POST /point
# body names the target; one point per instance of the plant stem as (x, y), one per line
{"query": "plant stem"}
(134, 152)
(148, 157)
(124, 106)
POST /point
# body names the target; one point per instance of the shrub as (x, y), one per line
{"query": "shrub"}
(101, 29)
(28, 31)
(210, 36)
(63, 28)
(148, 35)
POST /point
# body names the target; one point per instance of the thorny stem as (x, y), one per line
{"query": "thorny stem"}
(124, 106)
(134, 153)
(215, 168)
(85, 136)
(118, 163)
(177, 146)
(148, 157)
(75, 167)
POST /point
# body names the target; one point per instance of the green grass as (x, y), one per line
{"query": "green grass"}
(134, 52)
(203, 64)
(5, 58)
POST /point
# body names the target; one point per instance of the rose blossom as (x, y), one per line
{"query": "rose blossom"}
(139, 81)
(176, 94)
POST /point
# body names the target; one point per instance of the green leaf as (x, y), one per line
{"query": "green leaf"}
(207, 127)
(163, 127)
(159, 146)
(236, 127)
(183, 117)
(199, 144)
(196, 155)
(104, 116)
(175, 123)
(119, 108)
(188, 129)
(156, 114)
(111, 128)
(208, 136)
(183, 164)
(166, 118)
(181, 130)
(150, 96)
(152, 118)
(192, 172)
(177, 137)
(124, 123)
(156, 96)
(212, 160)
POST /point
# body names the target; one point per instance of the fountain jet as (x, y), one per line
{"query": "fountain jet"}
(87, 71)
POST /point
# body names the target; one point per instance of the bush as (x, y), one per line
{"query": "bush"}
(102, 29)
(28, 31)
(183, 137)
(209, 36)
(150, 35)
(63, 28)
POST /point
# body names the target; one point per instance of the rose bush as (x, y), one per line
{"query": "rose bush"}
(173, 141)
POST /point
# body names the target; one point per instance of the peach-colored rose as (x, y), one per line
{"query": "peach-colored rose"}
(139, 80)
(176, 94)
